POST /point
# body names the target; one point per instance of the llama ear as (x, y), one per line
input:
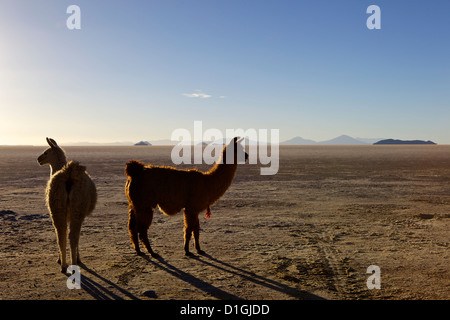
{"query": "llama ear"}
(52, 143)
(236, 139)
(240, 140)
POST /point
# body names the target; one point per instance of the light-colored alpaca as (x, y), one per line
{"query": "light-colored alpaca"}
(71, 196)
(172, 190)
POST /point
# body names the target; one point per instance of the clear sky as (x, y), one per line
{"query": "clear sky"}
(137, 70)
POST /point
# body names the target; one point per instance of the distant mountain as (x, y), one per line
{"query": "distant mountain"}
(396, 141)
(298, 141)
(143, 143)
(342, 140)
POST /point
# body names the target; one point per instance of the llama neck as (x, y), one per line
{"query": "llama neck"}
(221, 176)
(57, 165)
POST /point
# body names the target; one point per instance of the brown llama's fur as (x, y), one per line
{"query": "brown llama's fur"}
(172, 190)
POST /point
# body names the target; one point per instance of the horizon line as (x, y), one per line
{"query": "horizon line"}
(169, 142)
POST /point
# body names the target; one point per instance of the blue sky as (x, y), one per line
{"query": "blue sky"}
(137, 70)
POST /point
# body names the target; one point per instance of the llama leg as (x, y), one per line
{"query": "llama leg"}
(61, 234)
(132, 230)
(78, 255)
(187, 233)
(74, 237)
(196, 233)
(191, 227)
(144, 220)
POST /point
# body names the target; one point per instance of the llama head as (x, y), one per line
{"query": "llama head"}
(234, 152)
(53, 155)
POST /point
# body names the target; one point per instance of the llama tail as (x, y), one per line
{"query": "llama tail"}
(134, 168)
(74, 170)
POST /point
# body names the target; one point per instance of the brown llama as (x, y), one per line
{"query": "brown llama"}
(172, 190)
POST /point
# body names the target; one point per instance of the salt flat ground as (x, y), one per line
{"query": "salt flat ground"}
(308, 232)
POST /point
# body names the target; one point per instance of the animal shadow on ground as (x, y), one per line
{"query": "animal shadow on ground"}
(235, 271)
(194, 281)
(110, 291)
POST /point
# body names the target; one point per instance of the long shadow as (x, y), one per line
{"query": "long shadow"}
(196, 282)
(226, 267)
(100, 292)
(259, 280)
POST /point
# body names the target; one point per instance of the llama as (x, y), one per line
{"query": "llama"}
(172, 190)
(71, 196)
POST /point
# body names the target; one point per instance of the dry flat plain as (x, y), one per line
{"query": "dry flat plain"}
(308, 232)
